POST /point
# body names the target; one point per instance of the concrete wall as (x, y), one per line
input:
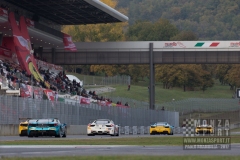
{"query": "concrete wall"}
(8, 130)
(12, 130)
(77, 129)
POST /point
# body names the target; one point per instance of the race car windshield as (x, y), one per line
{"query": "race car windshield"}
(162, 124)
(102, 122)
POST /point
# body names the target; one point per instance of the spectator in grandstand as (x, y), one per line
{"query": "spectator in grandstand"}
(163, 108)
(126, 104)
(10, 85)
(1, 65)
(119, 102)
(84, 93)
(2, 73)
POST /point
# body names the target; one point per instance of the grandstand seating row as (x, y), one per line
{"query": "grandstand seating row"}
(14, 81)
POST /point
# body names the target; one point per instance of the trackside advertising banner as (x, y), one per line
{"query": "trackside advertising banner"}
(25, 90)
(38, 93)
(84, 100)
(68, 43)
(49, 94)
(23, 47)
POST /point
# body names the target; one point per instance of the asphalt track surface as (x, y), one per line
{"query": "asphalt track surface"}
(14, 138)
(74, 150)
(78, 150)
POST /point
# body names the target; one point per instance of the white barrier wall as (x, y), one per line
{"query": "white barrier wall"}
(8, 130)
(12, 130)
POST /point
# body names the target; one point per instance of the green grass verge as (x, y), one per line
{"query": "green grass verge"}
(154, 140)
(127, 158)
(139, 91)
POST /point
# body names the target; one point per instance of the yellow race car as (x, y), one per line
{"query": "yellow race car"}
(23, 126)
(204, 129)
(161, 128)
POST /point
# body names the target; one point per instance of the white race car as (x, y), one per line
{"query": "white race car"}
(101, 127)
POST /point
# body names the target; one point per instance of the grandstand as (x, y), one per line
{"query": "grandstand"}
(24, 72)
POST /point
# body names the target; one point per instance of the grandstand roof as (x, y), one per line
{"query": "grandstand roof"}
(71, 12)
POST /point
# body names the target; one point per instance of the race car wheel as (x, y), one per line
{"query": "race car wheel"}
(152, 133)
(113, 134)
(171, 133)
(30, 134)
(64, 135)
(90, 134)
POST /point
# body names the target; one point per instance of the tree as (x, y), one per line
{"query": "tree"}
(221, 72)
(161, 30)
(206, 81)
(185, 36)
(167, 74)
(233, 77)
(98, 33)
(136, 71)
(108, 70)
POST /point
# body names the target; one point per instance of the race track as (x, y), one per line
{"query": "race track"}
(75, 150)
(14, 138)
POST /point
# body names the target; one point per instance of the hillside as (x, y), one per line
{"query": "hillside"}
(209, 19)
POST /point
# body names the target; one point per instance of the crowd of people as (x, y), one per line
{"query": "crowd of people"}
(59, 82)
(12, 75)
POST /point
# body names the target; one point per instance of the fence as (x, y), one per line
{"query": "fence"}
(197, 108)
(13, 108)
(98, 80)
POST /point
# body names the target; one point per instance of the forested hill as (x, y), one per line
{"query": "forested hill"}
(209, 19)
